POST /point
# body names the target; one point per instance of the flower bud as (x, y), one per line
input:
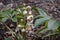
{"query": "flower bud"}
(22, 20)
(18, 10)
(23, 30)
(19, 26)
(30, 12)
(24, 12)
(29, 7)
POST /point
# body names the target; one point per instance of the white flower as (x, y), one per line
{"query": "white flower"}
(29, 24)
(21, 19)
(26, 31)
(19, 26)
(18, 10)
(31, 16)
(23, 30)
(24, 12)
(31, 21)
(30, 12)
(17, 29)
(24, 8)
(29, 28)
(29, 7)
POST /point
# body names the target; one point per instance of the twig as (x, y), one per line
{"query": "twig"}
(49, 35)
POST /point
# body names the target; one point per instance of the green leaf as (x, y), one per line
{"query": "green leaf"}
(58, 29)
(39, 16)
(42, 12)
(14, 19)
(4, 19)
(19, 37)
(41, 21)
(8, 39)
(43, 29)
(5, 13)
(14, 13)
(35, 9)
(52, 24)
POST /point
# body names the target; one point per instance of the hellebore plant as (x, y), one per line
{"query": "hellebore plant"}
(24, 18)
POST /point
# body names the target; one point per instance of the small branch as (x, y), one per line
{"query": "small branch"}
(8, 28)
(48, 35)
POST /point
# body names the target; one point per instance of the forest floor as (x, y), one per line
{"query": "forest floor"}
(52, 7)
